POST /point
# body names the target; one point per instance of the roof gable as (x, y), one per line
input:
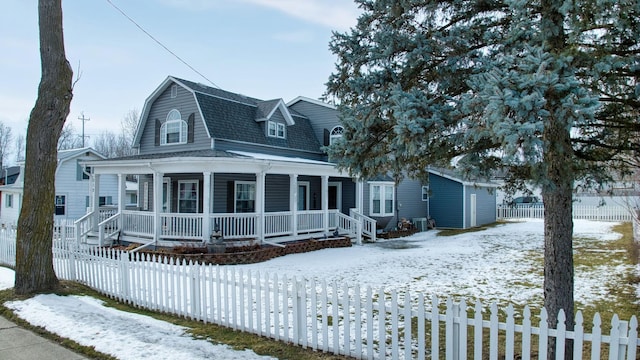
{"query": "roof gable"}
(266, 109)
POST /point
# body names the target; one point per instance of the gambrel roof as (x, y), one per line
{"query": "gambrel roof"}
(240, 118)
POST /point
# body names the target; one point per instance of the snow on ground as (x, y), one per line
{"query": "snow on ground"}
(118, 333)
(502, 263)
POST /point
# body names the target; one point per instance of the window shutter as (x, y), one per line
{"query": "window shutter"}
(158, 126)
(326, 137)
(78, 171)
(231, 196)
(190, 123)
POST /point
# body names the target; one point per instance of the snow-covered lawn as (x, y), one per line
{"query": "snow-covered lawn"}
(501, 264)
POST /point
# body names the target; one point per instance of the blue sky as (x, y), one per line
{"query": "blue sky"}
(262, 48)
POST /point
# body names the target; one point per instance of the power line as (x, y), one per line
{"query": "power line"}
(161, 44)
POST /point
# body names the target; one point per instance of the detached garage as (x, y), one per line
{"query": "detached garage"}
(460, 204)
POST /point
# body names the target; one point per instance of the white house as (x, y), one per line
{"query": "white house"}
(72, 188)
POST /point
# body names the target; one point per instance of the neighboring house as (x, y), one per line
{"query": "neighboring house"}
(73, 193)
(460, 204)
(8, 177)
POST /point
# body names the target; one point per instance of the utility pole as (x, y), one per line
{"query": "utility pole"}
(83, 119)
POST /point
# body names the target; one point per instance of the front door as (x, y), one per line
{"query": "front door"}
(303, 195)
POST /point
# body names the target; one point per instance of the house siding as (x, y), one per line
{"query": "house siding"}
(10, 214)
(185, 103)
(485, 205)
(321, 117)
(445, 202)
(76, 190)
(409, 200)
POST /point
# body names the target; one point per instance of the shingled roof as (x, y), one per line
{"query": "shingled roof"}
(237, 117)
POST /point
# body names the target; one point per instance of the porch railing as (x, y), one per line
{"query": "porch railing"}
(278, 223)
(181, 226)
(368, 224)
(174, 226)
(235, 225)
(137, 223)
(310, 221)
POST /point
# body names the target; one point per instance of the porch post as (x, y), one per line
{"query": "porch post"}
(260, 179)
(325, 203)
(122, 196)
(360, 195)
(157, 205)
(206, 206)
(95, 201)
(293, 202)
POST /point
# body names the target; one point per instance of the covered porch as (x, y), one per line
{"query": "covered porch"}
(213, 195)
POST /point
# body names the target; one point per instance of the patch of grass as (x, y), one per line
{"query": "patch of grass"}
(453, 232)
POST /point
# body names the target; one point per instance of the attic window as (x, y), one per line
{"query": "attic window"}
(336, 133)
(174, 130)
(275, 129)
(174, 91)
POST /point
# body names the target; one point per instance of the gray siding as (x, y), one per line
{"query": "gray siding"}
(321, 117)
(485, 205)
(277, 193)
(185, 103)
(409, 200)
(445, 202)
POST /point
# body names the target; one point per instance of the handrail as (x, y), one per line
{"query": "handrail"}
(78, 223)
(102, 227)
(368, 224)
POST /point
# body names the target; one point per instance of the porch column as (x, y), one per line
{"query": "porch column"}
(122, 196)
(260, 177)
(157, 205)
(293, 202)
(95, 201)
(360, 195)
(206, 206)
(325, 203)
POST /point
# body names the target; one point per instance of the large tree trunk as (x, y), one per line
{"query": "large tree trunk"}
(34, 258)
(558, 232)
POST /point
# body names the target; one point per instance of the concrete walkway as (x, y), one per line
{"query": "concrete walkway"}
(17, 343)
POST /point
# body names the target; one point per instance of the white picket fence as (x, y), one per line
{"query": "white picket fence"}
(363, 323)
(598, 213)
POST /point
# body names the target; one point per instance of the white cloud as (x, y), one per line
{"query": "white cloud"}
(335, 14)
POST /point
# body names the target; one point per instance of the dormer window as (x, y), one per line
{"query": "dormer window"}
(275, 129)
(174, 91)
(174, 130)
(336, 133)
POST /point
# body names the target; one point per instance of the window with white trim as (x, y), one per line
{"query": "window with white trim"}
(335, 134)
(245, 196)
(8, 200)
(275, 129)
(188, 196)
(425, 193)
(174, 130)
(174, 91)
(61, 205)
(382, 199)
